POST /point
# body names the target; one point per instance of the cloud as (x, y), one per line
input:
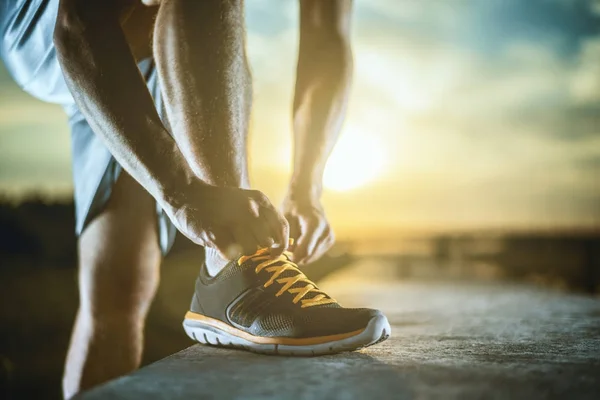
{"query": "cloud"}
(407, 15)
(585, 82)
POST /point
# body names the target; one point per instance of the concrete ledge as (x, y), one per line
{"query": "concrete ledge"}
(449, 341)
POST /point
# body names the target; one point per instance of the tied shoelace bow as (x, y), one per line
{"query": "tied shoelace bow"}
(277, 266)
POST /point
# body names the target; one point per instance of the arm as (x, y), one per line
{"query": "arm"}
(322, 86)
(102, 75)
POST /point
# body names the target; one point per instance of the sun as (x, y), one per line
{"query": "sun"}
(357, 160)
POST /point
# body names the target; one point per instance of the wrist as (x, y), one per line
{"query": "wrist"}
(181, 189)
(305, 190)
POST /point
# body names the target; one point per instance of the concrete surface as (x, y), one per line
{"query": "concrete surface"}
(449, 340)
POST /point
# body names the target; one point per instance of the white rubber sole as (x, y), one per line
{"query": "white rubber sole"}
(377, 330)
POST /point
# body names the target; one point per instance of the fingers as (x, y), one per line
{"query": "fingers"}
(271, 225)
(244, 237)
(310, 232)
(262, 234)
(239, 222)
(224, 242)
(316, 237)
(263, 228)
(294, 226)
(279, 232)
(324, 243)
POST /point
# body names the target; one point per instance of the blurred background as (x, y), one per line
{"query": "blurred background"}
(471, 150)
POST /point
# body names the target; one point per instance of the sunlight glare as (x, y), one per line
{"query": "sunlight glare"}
(357, 160)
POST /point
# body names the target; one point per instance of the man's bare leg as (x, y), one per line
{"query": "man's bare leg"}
(119, 259)
(199, 48)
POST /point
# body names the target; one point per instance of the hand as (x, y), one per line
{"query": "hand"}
(234, 221)
(309, 227)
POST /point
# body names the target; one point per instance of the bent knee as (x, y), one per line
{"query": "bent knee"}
(110, 294)
(112, 314)
(116, 322)
(118, 328)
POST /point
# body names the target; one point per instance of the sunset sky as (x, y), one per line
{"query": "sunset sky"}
(464, 113)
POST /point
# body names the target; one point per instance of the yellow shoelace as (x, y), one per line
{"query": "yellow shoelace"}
(280, 264)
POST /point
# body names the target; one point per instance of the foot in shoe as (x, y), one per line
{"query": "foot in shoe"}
(267, 305)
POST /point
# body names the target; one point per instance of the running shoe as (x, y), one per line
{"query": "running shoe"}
(267, 305)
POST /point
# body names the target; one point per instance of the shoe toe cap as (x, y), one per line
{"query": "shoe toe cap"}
(335, 321)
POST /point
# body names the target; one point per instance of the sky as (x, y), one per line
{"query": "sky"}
(463, 114)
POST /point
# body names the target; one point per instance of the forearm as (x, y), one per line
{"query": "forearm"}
(110, 92)
(322, 87)
(199, 49)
